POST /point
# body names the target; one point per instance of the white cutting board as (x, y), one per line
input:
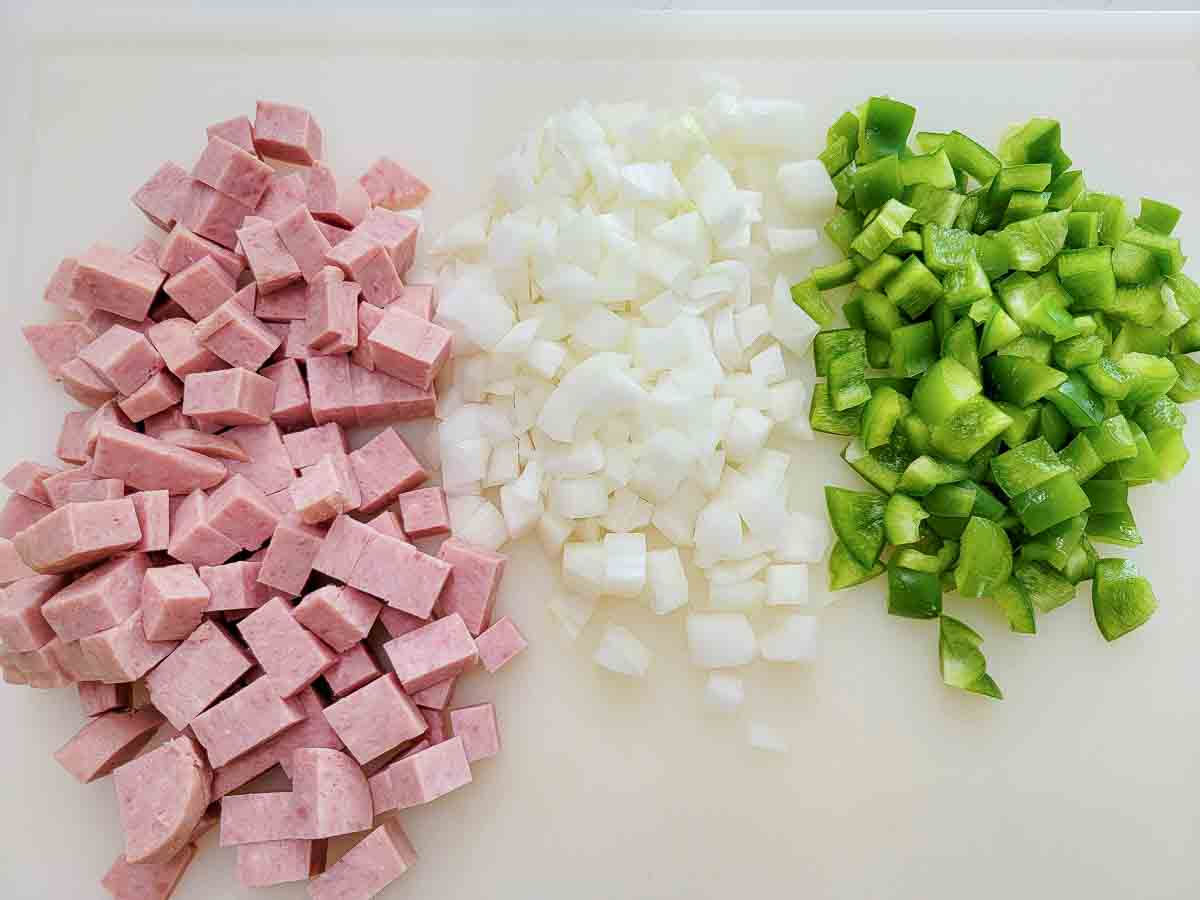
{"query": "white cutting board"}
(1083, 783)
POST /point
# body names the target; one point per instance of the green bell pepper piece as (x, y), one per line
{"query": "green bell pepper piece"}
(945, 387)
(953, 501)
(1114, 528)
(916, 434)
(1046, 588)
(934, 205)
(1161, 412)
(879, 314)
(1081, 564)
(1143, 468)
(925, 473)
(967, 284)
(1019, 293)
(985, 558)
(876, 183)
(1021, 381)
(1016, 606)
(1033, 243)
(992, 253)
(1133, 264)
(1122, 599)
(1134, 338)
(1113, 216)
(986, 506)
(875, 275)
(1142, 304)
(845, 127)
(883, 412)
(913, 594)
(1036, 141)
(843, 228)
(1050, 316)
(1107, 378)
(929, 168)
(848, 380)
(1054, 546)
(943, 318)
(883, 128)
(961, 662)
(913, 288)
(826, 278)
(1065, 189)
(929, 141)
(1150, 376)
(968, 429)
(828, 345)
(1025, 467)
(1024, 205)
(1187, 294)
(1078, 352)
(1164, 248)
(914, 349)
(827, 420)
(1081, 458)
(1087, 275)
(1083, 229)
(1038, 348)
(883, 229)
(857, 520)
(1171, 451)
(836, 156)
(843, 183)
(1112, 439)
(845, 572)
(999, 331)
(960, 343)
(1024, 423)
(1054, 426)
(911, 558)
(908, 243)
(881, 467)
(902, 520)
(1187, 386)
(1157, 216)
(946, 249)
(807, 296)
(970, 157)
(1053, 501)
(1107, 496)
(1187, 338)
(1075, 399)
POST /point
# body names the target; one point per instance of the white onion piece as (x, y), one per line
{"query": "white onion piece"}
(792, 326)
(668, 581)
(805, 540)
(624, 564)
(769, 365)
(806, 188)
(579, 498)
(572, 611)
(794, 641)
(621, 652)
(752, 323)
(786, 241)
(720, 640)
(553, 531)
(724, 692)
(741, 597)
(787, 585)
(583, 565)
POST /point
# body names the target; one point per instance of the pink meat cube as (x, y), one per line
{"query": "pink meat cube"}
(430, 774)
(387, 522)
(108, 741)
(104, 597)
(160, 392)
(439, 725)
(123, 358)
(164, 308)
(303, 240)
(342, 547)
(158, 198)
(370, 866)
(397, 233)
(58, 288)
(401, 575)
(305, 448)
(27, 479)
(290, 555)
(340, 616)
(270, 468)
(58, 489)
(381, 398)
(342, 204)
(354, 669)
(418, 300)
(247, 719)
(476, 725)
(78, 534)
(368, 317)
(72, 439)
(332, 319)
(162, 797)
(440, 650)
(423, 512)
(153, 511)
(409, 348)
(210, 213)
(23, 628)
(330, 793)
(288, 652)
(122, 653)
(81, 382)
(171, 419)
(233, 171)
(95, 489)
(320, 190)
(283, 195)
(333, 233)
(242, 512)
(287, 133)
(499, 644)
(295, 342)
(256, 818)
(183, 354)
(216, 446)
(173, 602)
(184, 248)
(147, 881)
(109, 415)
(96, 697)
(385, 468)
(236, 130)
(197, 673)
(390, 184)
(228, 397)
(292, 408)
(268, 863)
(100, 320)
(147, 250)
(436, 697)
(472, 589)
(12, 567)
(193, 539)
(57, 343)
(284, 305)
(367, 262)
(148, 464)
(20, 512)
(201, 287)
(236, 335)
(375, 719)
(234, 587)
(331, 390)
(326, 489)
(269, 260)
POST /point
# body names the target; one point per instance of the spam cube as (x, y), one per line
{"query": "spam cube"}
(148, 464)
(107, 279)
(375, 719)
(330, 390)
(95, 489)
(104, 597)
(12, 567)
(330, 793)
(436, 697)
(193, 539)
(287, 304)
(476, 725)
(122, 653)
(368, 317)
(230, 169)
(423, 512)
(381, 398)
(255, 818)
(228, 397)
(430, 774)
(147, 250)
(473, 585)
(367, 262)
(499, 644)
(82, 383)
(22, 626)
(197, 673)
(20, 512)
(409, 348)
(292, 408)
(332, 318)
(158, 198)
(335, 234)
(201, 287)
(57, 343)
(78, 534)
(162, 797)
(173, 602)
(340, 616)
(171, 419)
(95, 697)
(183, 247)
(153, 511)
(209, 213)
(154, 881)
(234, 334)
(418, 300)
(269, 467)
(284, 194)
(370, 866)
(244, 721)
(58, 288)
(182, 352)
(343, 545)
(269, 260)
(213, 445)
(401, 575)
(108, 741)
(397, 233)
(234, 587)
(288, 652)
(385, 467)
(287, 133)
(289, 558)
(108, 415)
(242, 512)
(390, 184)
(124, 358)
(387, 522)
(267, 863)
(431, 654)
(237, 131)
(159, 393)
(355, 668)
(326, 489)
(438, 723)
(304, 241)
(305, 448)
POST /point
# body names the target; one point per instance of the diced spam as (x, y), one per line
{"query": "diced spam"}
(173, 602)
(242, 512)
(473, 585)
(305, 448)
(182, 352)
(499, 644)
(158, 197)
(330, 390)
(153, 511)
(96, 697)
(107, 279)
(124, 358)
(390, 184)
(385, 467)
(289, 558)
(340, 616)
(57, 343)
(288, 652)
(235, 335)
(341, 548)
(354, 669)
(245, 720)
(201, 287)
(367, 262)
(148, 464)
(440, 650)
(330, 793)
(160, 392)
(23, 627)
(269, 260)
(233, 171)
(197, 673)
(184, 247)
(287, 133)
(370, 866)
(303, 240)
(108, 741)
(147, 881)
(78, 534)
(408, 347)
(423, 512)
(193, 539)
(122, 653)
(161, 798)
(434, 772)
(400, 575)
(103, 598)
(268, 863)
(476, 725)
(234, 587)
(375, 719)
(228, 397)
(210, 213)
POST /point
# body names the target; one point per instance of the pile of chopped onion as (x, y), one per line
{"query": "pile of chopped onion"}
(624, 382)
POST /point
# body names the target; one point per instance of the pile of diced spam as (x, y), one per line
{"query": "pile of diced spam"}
(214, 568)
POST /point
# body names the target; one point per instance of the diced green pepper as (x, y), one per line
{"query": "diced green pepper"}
(845, 572)
(1016, 605)
(843, 183)
(1134, 338)
(808, 297)
(946, 249)
(951, 500)
(946, 386)
(961, 660)
(1050, 316)
(1024, 205)
(1158, 216)
(1081, 458)
(883, 229)
(916, 434)
(1163, 247)
(883, 411)
(1078, 352)
(1054, 426)
(1024, 423)
(836, 155)
(879, 314)
(1150, 376)
(1087, 275)
(1065, 189)
(875, 275)
(934, 205)
(1122, 599)
(843, 228)
(1133, 264)
(1046, 588)
(1187, 338)
(1083, 230)
(925, 473)
(1171, 451)
(1053, 501)
(970, 157)
(911, 558)
(913, 288)
(913, 594)
(828, 345)
(827, 420)
(984, 558)
(908, 243)
(845, 127)
(999, 331)
(1033, 243)
(1161, 412)
(902, 520)
(967, 283)
(1075, 399)
(1187, 294)
(1025, 467)
(986, 505)
(1107, 378)
(857, 519)
(914, 349)
(881, 467)
(826, 278)
(1142, 468)
(960, 343)
(1112, 439)
(848, 380)
(1037, 141)
(1187, 387)
(1114, 219)
(929, 168)
(929, 141)
(876, 183)
(1021, 381)
(883, 128)
(1019, 293)
(968, 428)
(1082, 563)
(1054, 546)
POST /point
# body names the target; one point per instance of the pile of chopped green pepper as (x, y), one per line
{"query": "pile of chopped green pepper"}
(1034, 337)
